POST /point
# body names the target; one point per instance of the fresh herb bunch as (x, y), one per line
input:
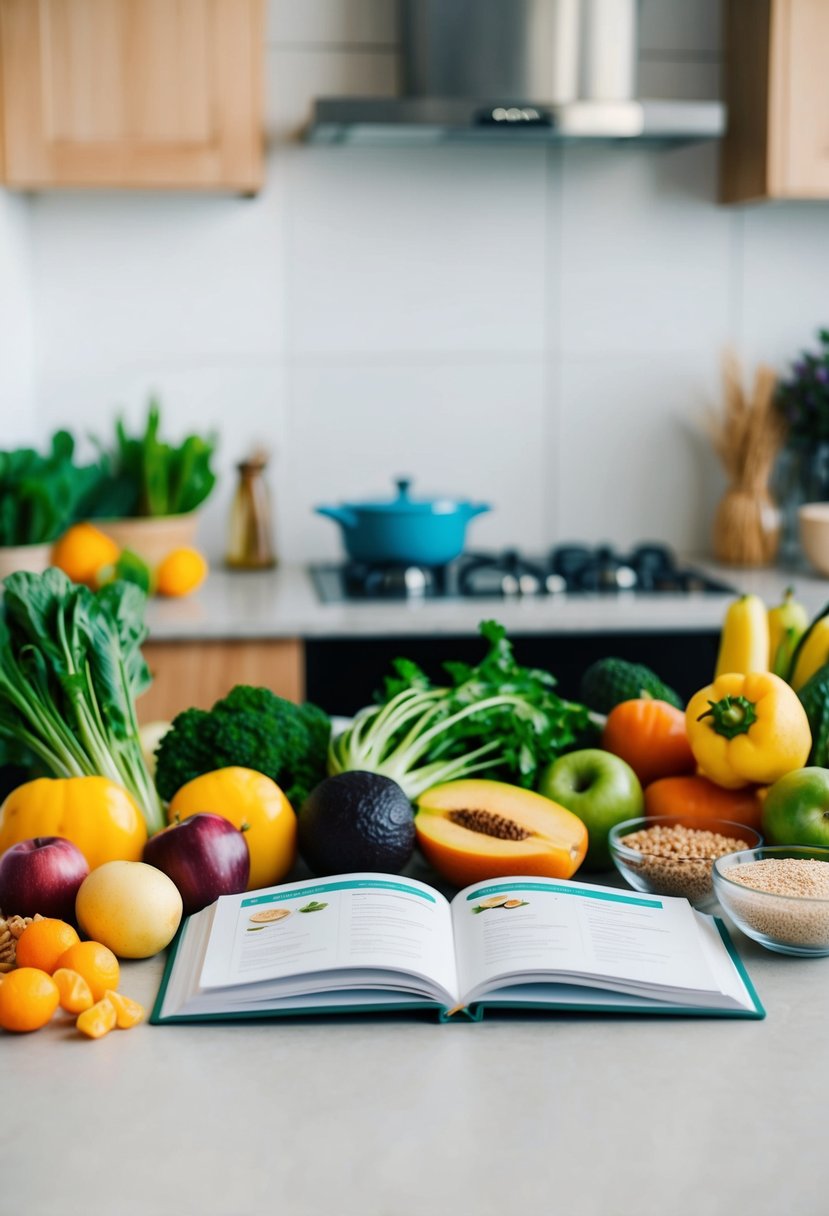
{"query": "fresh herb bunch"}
(803, 399)
(70, 670)
(497, 718)
(40, 496)
(252, 728)
(147, 477)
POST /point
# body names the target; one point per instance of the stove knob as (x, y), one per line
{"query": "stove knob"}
(626, 578)
(528, 584)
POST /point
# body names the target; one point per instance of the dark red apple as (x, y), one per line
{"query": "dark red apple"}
(41, 875)
(205, 855)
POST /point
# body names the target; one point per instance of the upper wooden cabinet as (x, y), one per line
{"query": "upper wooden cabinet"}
(777, 93)
(132, 93)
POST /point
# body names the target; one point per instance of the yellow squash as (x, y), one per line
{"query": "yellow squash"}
(787, 624)
(246, 797)
(744, 643)
(747, 730)
(812, 653)
(97, 815)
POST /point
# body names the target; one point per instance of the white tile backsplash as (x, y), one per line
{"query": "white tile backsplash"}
(128, 279)
(394, 250)
(540, 328)
(785, 279)
(645, 253)
(18, 424)
(635, 463)
(473, 430)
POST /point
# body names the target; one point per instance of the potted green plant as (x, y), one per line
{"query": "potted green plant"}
(149, 496)
(803, 471)
(40, 496)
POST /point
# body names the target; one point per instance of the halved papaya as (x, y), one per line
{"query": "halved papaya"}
(472, 830)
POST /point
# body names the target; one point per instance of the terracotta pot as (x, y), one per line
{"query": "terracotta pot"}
(32, 558)
(152, 537)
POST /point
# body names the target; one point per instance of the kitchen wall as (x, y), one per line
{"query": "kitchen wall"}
(17, 391)
(539, 328)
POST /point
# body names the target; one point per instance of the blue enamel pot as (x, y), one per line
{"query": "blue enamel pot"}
(405, 530)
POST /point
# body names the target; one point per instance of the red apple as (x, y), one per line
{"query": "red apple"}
(41, 875)
(205, 855)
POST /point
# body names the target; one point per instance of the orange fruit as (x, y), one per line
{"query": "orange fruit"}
(96, 963)
(43, 942)
(181, 572)
(28, 998)
(82, 551)
(75, 993)
(128, 1013)
(98, 1020)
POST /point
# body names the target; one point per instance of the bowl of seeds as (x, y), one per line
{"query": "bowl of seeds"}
(673, 855)
(779, 896)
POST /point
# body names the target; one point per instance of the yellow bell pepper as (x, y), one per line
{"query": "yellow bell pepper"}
(748, 729)
(97, 815)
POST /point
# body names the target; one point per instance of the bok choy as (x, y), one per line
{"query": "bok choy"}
(70, 670)
(497, 719)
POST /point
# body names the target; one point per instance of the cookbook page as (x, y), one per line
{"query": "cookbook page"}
(353, 921)
(537, 927)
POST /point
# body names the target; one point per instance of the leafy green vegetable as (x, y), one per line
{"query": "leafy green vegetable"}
(497, 717)
(252, 728)
(814, 697)
(70, 670)
(40, 496)
(146, 476)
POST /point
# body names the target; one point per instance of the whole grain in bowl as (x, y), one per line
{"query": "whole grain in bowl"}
(791, 914)
(676, 860)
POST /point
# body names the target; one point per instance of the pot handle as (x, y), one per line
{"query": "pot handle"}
(477, 508)
(343, 516)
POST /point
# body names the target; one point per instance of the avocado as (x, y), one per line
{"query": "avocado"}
(356, 821)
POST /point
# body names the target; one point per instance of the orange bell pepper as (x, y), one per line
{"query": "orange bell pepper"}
(651, 736)
(697, 798)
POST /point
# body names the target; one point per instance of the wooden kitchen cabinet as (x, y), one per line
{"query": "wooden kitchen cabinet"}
(132, 93)
(198, 673)
(777, 95)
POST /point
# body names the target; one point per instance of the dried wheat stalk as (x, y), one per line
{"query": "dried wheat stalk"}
(747, 436)
(750, 431)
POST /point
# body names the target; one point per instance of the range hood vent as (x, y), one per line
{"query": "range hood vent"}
(503, 70)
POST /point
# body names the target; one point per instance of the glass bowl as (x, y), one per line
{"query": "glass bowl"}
(789, 924)
(675, 874)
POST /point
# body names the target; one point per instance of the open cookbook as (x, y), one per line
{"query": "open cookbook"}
(360, 943)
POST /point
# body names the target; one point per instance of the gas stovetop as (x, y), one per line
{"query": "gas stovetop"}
(649, 569)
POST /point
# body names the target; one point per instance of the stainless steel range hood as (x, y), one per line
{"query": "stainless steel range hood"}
(493, 70)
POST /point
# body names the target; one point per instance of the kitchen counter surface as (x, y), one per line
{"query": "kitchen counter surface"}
(592, 1116)
(283, 603)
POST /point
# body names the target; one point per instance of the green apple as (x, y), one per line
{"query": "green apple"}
(796, 809)
(601, 789)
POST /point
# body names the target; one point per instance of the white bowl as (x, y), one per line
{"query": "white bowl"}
(813, 518)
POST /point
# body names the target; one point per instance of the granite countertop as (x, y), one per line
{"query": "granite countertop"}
(283, 604)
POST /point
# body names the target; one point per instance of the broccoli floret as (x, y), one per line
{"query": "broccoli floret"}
(251, 728)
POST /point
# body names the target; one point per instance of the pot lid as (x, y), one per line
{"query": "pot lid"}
(403, 502)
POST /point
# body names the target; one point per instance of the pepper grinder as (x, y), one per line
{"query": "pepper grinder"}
(249, 544)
